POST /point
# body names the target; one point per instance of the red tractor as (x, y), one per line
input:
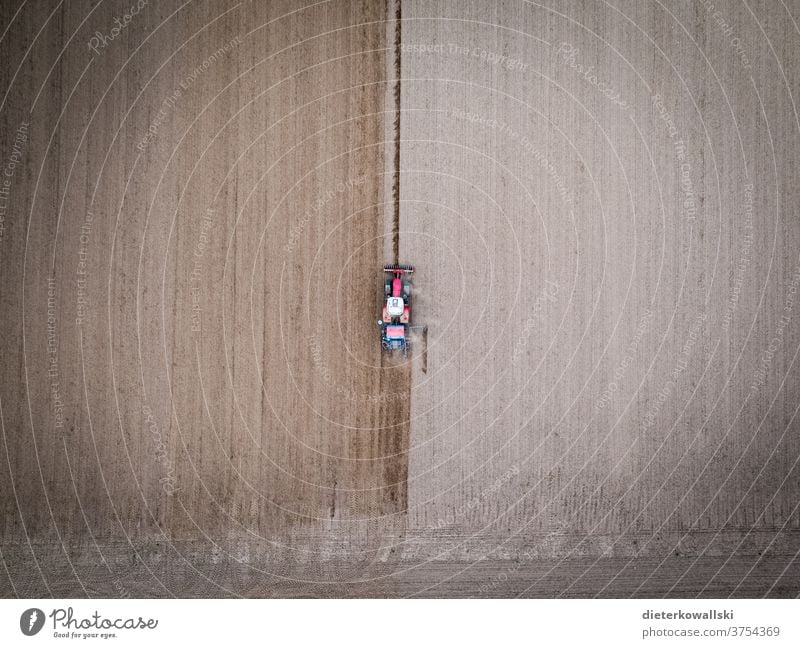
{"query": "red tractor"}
(395, 322)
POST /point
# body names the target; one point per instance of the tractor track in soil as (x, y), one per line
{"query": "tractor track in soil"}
(397, 90)
(395, 414)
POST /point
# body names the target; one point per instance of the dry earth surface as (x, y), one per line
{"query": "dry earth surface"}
(600, 200)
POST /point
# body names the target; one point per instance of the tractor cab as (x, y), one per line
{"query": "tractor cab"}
(395, 306)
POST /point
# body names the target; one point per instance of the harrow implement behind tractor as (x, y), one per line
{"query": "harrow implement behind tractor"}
(395, 322)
